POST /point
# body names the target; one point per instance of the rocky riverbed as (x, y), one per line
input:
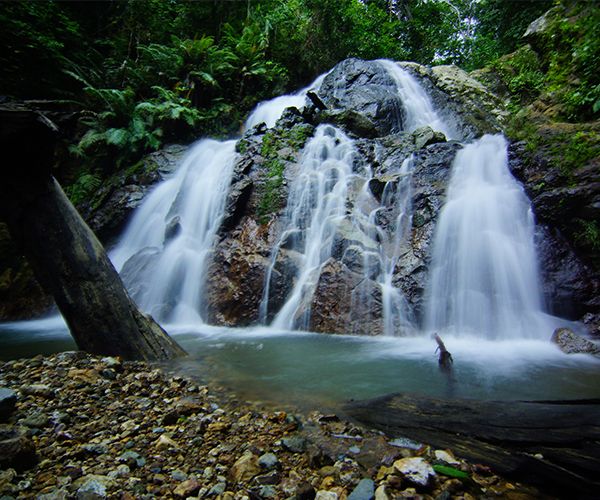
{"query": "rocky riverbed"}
(84, 427)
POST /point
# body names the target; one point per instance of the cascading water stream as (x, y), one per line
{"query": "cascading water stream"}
(417, 104)
(484, 276)
(316, 205)
(164, 253)
(397, 316)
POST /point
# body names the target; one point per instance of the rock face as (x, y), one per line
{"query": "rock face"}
(571, 284)
(362, 100)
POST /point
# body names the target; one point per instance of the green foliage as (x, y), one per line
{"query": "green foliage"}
(588, 234)
(274, 141)
(85, 185)
(450, 471)
(521, 73)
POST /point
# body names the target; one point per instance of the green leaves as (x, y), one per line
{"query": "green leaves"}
(450, 471)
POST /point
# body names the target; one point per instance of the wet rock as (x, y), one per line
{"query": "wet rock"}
(95, 449)
(112, 205)
(365, 490)
(57, 494)
(305, 491)
(446, 457)
(217, 489)
(92, 488)
(166, 443)
(17, 451)
(326, 495)
(381, 493)
(415, 470)
(571, 343)
(40, 390)
(268, 461)
(132, 459)
(189, 406)
(295, 444)
(187, 488)
(367, 89)
(425, 136)
(8, 400)
(173, 229)
(245, 468)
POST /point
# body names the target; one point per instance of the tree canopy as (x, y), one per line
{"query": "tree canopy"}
(146, 72)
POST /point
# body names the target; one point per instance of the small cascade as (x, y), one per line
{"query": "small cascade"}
(268, 112)
(316, 206)
(484, 277)
(164, 252)
(417, 104)
(397, 198)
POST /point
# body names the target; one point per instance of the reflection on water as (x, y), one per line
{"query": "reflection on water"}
(312, 370)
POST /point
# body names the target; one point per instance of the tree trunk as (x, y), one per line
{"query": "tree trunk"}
(552, 444)
(67, 258)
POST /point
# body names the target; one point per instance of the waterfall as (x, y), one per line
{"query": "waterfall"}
(268, 112)
(318, 208)
(484, 279)
(164, 253)
(162, 256)
(315, 208)
(417, 104)
(397, 316)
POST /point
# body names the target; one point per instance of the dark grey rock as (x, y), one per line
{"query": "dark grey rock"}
(92, 489)
(132, 459)
(173, 228)
(17, 451)
(295, 444)
(365, 89)
(365, 490)
(8, 401)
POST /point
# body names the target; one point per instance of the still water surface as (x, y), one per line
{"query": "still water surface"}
(314, 370)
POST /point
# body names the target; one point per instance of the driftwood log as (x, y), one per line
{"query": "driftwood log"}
(67, 258)
(552, 444)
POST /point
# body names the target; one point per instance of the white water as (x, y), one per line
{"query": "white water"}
(269, 112)
(417, 104)
(397, 316)
(484, 276)
(166, 275)
(316, 205)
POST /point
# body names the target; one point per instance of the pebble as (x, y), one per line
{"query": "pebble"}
(268, 461)
(295, 444)
(92, 489)
(415, 470)
(8, 400)
(365, 490)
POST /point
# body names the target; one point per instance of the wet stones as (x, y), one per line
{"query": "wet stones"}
(17, 451)
(8, 400)
(108, 440)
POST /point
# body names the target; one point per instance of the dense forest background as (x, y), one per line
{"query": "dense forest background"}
(142, 73)
(135, 75)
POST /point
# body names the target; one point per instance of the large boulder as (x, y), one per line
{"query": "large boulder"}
(363, 95)
(571, 343)
(17, 451)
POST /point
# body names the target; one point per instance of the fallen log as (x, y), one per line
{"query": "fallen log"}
(552, 444)
(67, 258)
